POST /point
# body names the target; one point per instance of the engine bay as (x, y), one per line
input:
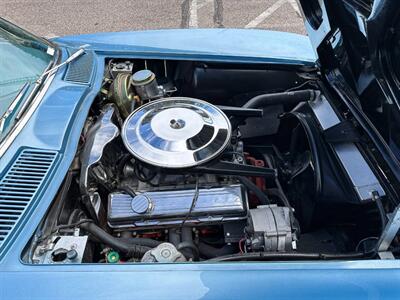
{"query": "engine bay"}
(184, 161)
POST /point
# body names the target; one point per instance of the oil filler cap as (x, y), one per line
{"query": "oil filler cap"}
(141, 204)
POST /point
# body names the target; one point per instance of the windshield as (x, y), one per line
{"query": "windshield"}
(23, 58)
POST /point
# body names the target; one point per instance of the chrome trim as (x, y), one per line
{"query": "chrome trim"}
(160, 208)
(11, 136)
(360, 174)
(391, 229)
(99, 135)
(176, 132)
(13, 104)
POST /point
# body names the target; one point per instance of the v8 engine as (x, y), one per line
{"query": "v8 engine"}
(191, 167)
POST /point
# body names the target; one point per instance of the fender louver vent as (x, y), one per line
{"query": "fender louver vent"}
(19, 186)
(80, 70)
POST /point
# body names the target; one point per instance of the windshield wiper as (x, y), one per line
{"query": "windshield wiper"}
(10, 110)
(73, 56)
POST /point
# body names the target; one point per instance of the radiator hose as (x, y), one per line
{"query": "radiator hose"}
(209, 252)
(293, 98)
(187, 246)
(132, 247)
(263, 198)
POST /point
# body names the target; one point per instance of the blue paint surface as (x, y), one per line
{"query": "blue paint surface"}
(229, 44)
(57, 124)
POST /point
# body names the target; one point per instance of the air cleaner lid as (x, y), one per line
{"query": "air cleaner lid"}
(176, 132)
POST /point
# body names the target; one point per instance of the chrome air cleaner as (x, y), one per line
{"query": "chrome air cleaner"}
(176, 132)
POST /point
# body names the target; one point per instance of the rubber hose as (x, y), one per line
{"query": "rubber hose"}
(140, 241)
(174, 237)
(130, 249)
(293, 97)
(208, 251)
(187, 234)
(252, 187)
(194, 252)
(277, 193)
(187, 243)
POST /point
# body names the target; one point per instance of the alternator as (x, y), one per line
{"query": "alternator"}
(269, 229)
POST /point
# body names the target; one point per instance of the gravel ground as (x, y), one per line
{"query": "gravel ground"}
(59, 17)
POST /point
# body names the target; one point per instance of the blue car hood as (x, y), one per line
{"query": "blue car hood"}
(260, 45)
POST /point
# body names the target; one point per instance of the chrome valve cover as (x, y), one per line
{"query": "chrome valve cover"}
(176, 132)
(162, 208)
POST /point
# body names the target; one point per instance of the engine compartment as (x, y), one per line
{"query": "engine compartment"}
(190, 161)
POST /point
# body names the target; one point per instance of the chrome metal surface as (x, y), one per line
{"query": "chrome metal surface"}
(146, 85)
(141, 204)
(363, 179)
(176, 132)
(98, 136)
(171, 207)
(93, 204)
(324, 112)
(11, 108)
(72, 57)
(386, 255)
(142, 77)
(391, 229)
(359, 172)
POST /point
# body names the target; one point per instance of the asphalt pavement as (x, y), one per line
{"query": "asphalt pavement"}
(64, 17)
